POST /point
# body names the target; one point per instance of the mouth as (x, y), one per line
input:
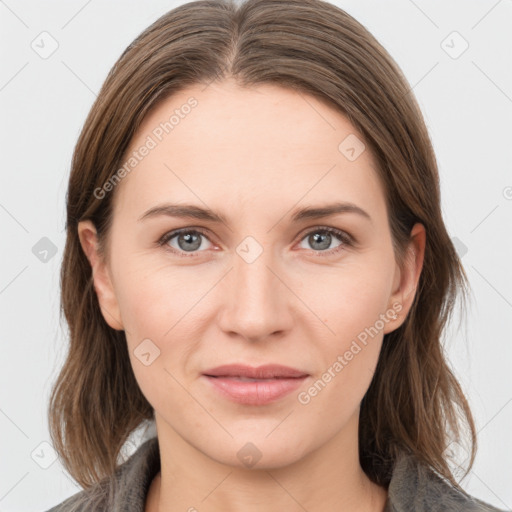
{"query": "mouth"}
(255, 386)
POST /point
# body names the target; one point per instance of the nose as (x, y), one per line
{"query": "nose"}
(255, 301)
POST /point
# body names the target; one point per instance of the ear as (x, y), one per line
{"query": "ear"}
(100, 274)
(407, 278)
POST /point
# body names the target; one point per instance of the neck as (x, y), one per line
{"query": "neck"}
(329, 478)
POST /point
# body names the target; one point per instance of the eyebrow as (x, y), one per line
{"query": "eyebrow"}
(196, 212)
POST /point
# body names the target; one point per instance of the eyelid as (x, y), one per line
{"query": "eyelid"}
(347, 239)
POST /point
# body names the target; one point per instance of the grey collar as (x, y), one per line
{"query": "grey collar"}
(413, 488)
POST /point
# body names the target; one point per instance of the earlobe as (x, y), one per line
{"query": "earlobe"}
(407, 278)
(102, 281)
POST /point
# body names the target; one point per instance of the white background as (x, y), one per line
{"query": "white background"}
(467, 103)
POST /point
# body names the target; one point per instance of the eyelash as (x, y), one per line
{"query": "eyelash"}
(347, 240)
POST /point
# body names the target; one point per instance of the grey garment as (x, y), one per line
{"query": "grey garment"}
(413, 487)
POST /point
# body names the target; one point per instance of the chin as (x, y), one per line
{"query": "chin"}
(258, 451)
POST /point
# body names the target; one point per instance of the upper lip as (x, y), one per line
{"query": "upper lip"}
(267, 371)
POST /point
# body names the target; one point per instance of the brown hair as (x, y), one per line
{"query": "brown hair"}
(414, 403)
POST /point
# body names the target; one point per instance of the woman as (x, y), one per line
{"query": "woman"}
(256, 261)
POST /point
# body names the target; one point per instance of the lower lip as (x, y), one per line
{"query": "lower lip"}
(255, 392)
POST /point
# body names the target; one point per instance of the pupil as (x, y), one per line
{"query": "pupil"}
(189, 238)
(326, 240)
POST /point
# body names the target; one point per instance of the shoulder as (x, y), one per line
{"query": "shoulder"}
(414, 486)
(126, 489)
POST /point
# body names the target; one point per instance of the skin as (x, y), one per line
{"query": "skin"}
(254, 155)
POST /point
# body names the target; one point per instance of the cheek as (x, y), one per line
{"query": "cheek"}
(355, 296)
(160, 310)
(355, 311)
(154, 297)
(348, 360)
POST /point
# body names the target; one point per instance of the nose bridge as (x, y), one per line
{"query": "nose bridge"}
(256, 300)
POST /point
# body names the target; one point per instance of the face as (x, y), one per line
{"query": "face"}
(263, 285)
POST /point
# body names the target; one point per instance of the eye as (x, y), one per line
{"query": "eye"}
(321, 238)
(188, 241)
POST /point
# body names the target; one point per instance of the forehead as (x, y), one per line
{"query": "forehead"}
(267, 143)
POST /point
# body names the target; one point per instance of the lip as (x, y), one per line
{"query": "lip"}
(267, 371)
(272, 382)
